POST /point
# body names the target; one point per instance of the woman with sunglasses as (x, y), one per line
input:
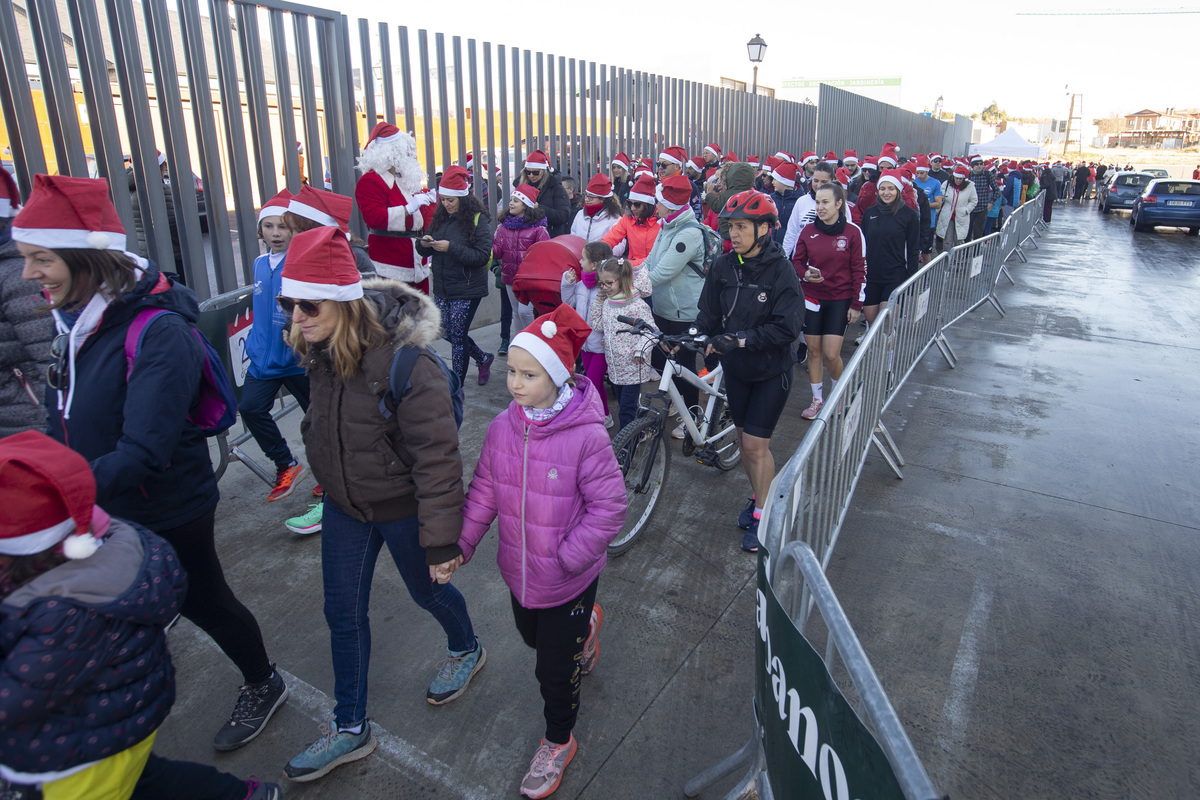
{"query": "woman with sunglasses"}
(390, 467)
(552, 197)
(128, 417)
(639, 227)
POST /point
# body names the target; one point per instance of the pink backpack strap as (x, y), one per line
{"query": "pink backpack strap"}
(134, 333)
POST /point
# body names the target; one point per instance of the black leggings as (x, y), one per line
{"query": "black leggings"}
(211, 604)
(685, 358)
(558, 635)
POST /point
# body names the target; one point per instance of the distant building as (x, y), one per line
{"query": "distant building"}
(1163, 129)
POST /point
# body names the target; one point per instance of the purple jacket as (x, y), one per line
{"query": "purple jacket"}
(513, 237)
(560, 497)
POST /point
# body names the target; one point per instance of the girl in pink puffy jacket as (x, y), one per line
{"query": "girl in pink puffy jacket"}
(519, 226)
(547, 470)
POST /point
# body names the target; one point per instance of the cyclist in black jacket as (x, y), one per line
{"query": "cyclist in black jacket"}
(752, 310)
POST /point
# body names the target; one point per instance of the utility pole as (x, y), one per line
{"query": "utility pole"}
(1071, 117)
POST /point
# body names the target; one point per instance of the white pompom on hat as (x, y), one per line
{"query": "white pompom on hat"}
(64, 212)
(555, 340)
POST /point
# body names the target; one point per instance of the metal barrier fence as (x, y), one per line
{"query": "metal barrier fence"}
(847, 120)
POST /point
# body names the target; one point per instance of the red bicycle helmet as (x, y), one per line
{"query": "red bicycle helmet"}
(752, 205)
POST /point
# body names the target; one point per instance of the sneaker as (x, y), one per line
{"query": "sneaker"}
(485, 369)
(750, 540)
(680, 431)
(608, 421)
(591, 647)
(858, 339)
(308, 522)
(326, 754)
(318, 491)
(285, 481)
(455, 673)
(814, 409)
(255, 704)
(546, 769)
(502, 350)
(746, 518)
(702, 373)
(262, 791)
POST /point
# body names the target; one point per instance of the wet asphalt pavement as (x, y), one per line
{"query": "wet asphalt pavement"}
(1027, 594)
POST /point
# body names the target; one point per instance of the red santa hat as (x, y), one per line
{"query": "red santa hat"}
(674, 155)
(537, 160)
(772, 162)
(67, 212)
(320, 266)
(850, 157)
(709, 173)
(785, 173)
(674, 192)
(842, 177)
(713, 148)
(526, 194)
(276, 206)
(643, 169)
(893, 146)
(961, 171)
(161, 158)
(322, 207)
(978, 159)
(753, 160)
(555, 340)
(730, 159)
(808, 156)
(888, 156)
(470, 162)
(10, 196)
(383, 131)
(922, 162)
(784, 155)
(643, 190)
(698, 163)
(935, 156)
(599, 186)
(891, 176)
(831, 156)
(870, 162)
(907, 172)
(621, 160)
(455, 182)
(48, 494)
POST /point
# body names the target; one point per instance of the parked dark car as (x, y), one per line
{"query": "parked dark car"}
(1168, 202)
(1120, 189)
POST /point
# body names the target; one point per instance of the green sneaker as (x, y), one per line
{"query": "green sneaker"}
(333, 749)
(308, 522)
(502, 350)
(455, 673)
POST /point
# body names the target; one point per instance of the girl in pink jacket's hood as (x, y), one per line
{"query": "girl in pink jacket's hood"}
(548, 471)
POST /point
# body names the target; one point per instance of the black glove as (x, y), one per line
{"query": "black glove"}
(724, 343)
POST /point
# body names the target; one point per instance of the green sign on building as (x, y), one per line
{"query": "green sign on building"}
(841, 83)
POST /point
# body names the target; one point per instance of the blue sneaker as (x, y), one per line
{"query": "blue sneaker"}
(455, 673)
(333, 749)
(750, 540)
(746, 518)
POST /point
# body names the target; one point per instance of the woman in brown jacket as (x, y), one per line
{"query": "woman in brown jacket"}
(391, 471)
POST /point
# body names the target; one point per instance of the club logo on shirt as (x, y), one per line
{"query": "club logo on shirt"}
(762, 297)
(258, 287)
(552, 474)
(842, 243)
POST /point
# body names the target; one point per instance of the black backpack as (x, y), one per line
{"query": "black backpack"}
(402, 367)
(713, 247)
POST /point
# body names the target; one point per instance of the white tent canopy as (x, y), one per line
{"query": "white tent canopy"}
(1009, 144)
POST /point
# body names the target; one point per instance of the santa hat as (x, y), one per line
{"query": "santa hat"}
(470, 162)
(621, 160)
(752, 160)
(709, 173)
(784, 155)
(730, 159)
(642, 169)
(831, 156)
(599, 186)
(870, 162)
(276, 206)
(713, 148)
(891, 176)
(322, 207)
(526, 194)
(537, 160)
(455, 182)
(161, 158)
(10, 197)
(64, 212)
(48, 494)
(320, 266)
(842, 177)
(698, 163)
(383, 131)
(850, 157)
(893, 146)
(908, 172)
(772, 162)
(643, 190)
(888, 156)
(674, 192)
(555, 339)
(922, 163)
(785, 173)
(961, 171)
(675, 155)
(978, 159)
(935, 156)
(804, 159)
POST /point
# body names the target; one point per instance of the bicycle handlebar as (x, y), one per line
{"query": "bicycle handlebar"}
(686, 341)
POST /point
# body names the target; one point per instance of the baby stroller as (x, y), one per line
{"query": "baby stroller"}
(539, 278)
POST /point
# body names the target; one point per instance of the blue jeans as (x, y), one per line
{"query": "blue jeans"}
(627, 399)
(349, 549)
(258, 396)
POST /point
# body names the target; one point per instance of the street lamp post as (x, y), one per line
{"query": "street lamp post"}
(757, 48)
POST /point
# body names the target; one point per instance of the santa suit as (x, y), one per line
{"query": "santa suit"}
(391, 242)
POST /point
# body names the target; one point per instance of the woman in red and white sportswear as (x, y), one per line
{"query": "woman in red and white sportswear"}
(829, 258)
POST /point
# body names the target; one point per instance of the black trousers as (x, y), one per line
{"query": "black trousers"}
(211, 604)
(558, 635)
(977, 221)
(685, 358)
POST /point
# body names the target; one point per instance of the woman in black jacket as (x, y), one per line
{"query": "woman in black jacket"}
(752, 310)
(893, 233)
(460, 241)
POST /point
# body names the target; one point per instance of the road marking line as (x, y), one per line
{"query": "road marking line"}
(964, 673)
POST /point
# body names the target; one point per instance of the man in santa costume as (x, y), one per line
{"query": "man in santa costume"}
(393, 205)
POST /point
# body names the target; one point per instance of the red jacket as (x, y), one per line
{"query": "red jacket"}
(382, 209)
(841, 260)
(640, 234)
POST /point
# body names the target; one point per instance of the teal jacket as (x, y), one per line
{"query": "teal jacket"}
(676, 285)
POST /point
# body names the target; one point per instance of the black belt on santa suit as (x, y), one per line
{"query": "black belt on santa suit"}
(396, 234)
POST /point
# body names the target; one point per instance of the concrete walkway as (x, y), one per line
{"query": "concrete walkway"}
(1026, 593)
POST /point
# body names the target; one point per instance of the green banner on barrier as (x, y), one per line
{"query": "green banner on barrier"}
(815, 745)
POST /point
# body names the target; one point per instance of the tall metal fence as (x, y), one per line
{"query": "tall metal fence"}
(811, 496)
(849, 121)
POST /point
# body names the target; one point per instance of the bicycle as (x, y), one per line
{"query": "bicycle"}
(642, 447)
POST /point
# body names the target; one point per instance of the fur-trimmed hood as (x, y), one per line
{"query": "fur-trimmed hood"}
(408, 315)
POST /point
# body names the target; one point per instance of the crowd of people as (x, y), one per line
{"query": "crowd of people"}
(111, 497)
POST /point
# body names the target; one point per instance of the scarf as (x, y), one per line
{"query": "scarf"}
(543, 415)
(831, 230)
(517, 223)
(592, 209)
(589, 279)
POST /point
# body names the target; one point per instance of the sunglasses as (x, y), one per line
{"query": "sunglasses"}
(56, 372)
(311, 308)
(664, 165)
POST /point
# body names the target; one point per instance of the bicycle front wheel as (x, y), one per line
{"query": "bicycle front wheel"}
(645, 460)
